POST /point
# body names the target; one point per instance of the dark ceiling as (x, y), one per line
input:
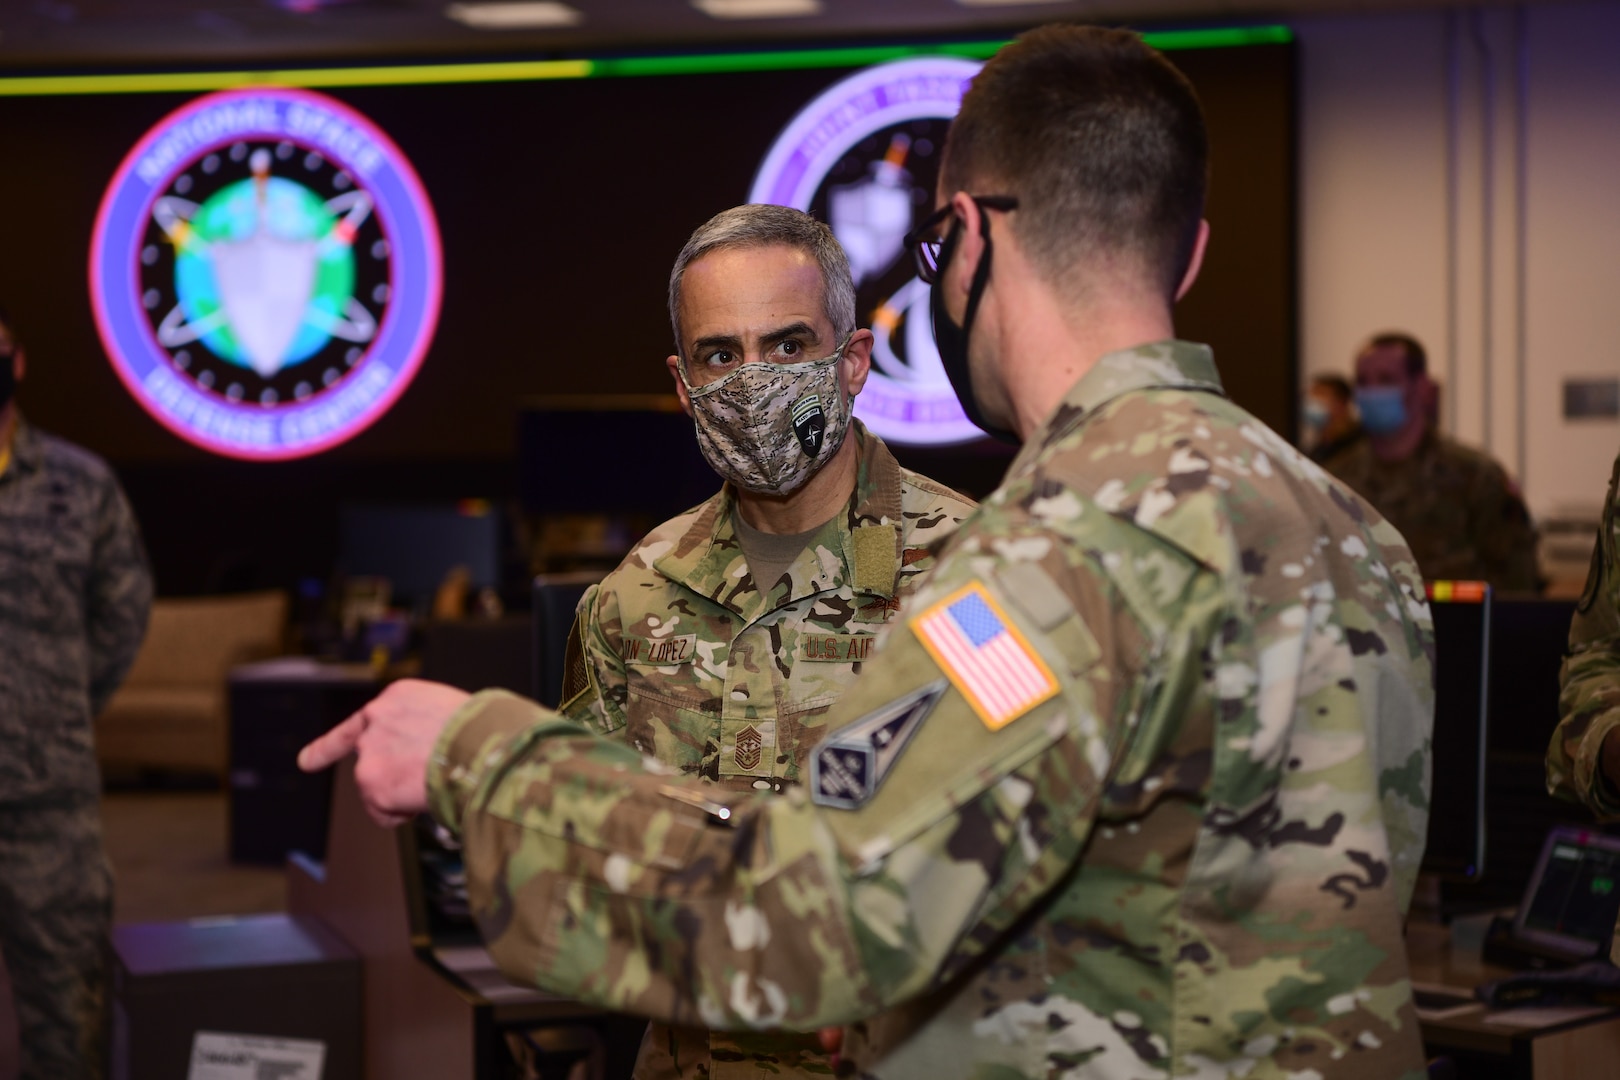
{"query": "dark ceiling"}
(80, 34)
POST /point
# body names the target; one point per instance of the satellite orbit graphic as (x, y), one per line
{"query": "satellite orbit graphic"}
(864, 157)
(265, 273)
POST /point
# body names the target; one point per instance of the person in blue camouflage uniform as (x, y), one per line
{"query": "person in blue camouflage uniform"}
(1138, 789)
(718, 647)
(74, 596)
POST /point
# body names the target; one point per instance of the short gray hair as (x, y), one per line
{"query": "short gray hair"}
(764, 225)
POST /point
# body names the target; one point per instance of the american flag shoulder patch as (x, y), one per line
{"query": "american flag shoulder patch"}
(980, 650)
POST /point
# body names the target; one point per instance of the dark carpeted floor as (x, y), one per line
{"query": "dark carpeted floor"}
(168, 852)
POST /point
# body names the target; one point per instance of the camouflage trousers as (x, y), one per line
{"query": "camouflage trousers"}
(55, 914)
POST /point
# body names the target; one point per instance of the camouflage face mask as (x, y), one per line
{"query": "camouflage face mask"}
(768, 427)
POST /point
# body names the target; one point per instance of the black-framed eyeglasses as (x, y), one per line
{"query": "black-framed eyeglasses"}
(925, 245)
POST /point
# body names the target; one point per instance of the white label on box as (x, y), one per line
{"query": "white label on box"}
(216, 1055)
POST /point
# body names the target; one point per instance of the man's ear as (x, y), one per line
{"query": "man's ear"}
(857, 362)
(19, 362)
(1195, 263)
(969, 241)
(674, 365)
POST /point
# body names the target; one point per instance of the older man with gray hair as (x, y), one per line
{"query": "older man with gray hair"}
(721, 641)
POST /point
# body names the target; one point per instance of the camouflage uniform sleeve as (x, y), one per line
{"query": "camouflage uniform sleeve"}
(602, 876)
(1507, 537)
(1589, 704)
(119, 595)
(594, 684)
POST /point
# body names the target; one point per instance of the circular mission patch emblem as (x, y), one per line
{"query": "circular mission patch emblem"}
(265, 273)
(864, 158)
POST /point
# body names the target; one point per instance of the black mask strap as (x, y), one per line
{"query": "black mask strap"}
(8, 376)
(953, 339)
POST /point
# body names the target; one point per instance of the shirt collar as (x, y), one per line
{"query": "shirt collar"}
(708, 558)
(27, 452)
(1161, 365)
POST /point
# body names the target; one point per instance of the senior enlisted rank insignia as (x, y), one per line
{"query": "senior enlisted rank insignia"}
(979, 649)
(848, 766)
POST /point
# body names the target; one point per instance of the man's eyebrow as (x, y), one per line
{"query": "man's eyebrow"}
(798, 329)
(714, 341)
(732, 341)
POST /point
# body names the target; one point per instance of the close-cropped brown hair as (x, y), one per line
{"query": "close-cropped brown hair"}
(1417, 360)
(1101, 140)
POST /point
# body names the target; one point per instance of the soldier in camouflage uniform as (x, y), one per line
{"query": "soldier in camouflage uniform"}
(1583, 762)
(74, 595)
(682, 653)
(1463, 516)
(1138, 788)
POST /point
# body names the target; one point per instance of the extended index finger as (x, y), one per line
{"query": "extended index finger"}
(334, 746)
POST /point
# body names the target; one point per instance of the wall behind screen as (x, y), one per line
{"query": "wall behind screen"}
(562, 205)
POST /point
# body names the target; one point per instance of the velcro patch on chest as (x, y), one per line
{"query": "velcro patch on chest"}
(660, 652)
(850, 764)
(835, 648)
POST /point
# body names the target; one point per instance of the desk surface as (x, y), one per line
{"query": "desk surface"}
(1563, 1041)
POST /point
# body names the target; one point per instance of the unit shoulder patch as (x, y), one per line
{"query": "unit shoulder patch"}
(979, 649)
(851, 763)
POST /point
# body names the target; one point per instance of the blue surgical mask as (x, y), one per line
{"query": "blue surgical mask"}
(1316, 415)
(1383, 409)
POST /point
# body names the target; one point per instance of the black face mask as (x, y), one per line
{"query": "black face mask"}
(8, 376)
(953, 339)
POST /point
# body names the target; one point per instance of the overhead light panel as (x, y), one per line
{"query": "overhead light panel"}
(1008, 3)
(515, 16)
(758, 9)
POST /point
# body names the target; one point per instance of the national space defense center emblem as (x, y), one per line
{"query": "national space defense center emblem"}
(864, 158)
(265, 273)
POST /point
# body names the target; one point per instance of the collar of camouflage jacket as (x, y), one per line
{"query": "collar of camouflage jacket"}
(1160, 365)
(862, 547)
(26, 452)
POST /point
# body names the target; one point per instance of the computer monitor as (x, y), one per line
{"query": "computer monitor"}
(415, 546)
(1462, 644)
(610, 454)
(1570, 904)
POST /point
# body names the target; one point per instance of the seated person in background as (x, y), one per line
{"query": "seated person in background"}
(1456, 507)
(720, 642)
(1331, 427)
(1583, 761)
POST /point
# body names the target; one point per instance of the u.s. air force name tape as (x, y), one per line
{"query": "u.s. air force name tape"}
(849, 765)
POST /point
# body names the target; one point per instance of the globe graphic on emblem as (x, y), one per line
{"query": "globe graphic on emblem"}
(303, 226)
(264, 274)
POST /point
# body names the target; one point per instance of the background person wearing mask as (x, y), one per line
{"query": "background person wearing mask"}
(1456, 507)
(1330, 420)
(74, 596)
(1118, 797)
(721, 641)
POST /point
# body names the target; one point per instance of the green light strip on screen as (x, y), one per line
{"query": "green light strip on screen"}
(536, 70)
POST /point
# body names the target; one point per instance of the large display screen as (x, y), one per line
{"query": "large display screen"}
(561, 202)
(265, 273)
(864, 157)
